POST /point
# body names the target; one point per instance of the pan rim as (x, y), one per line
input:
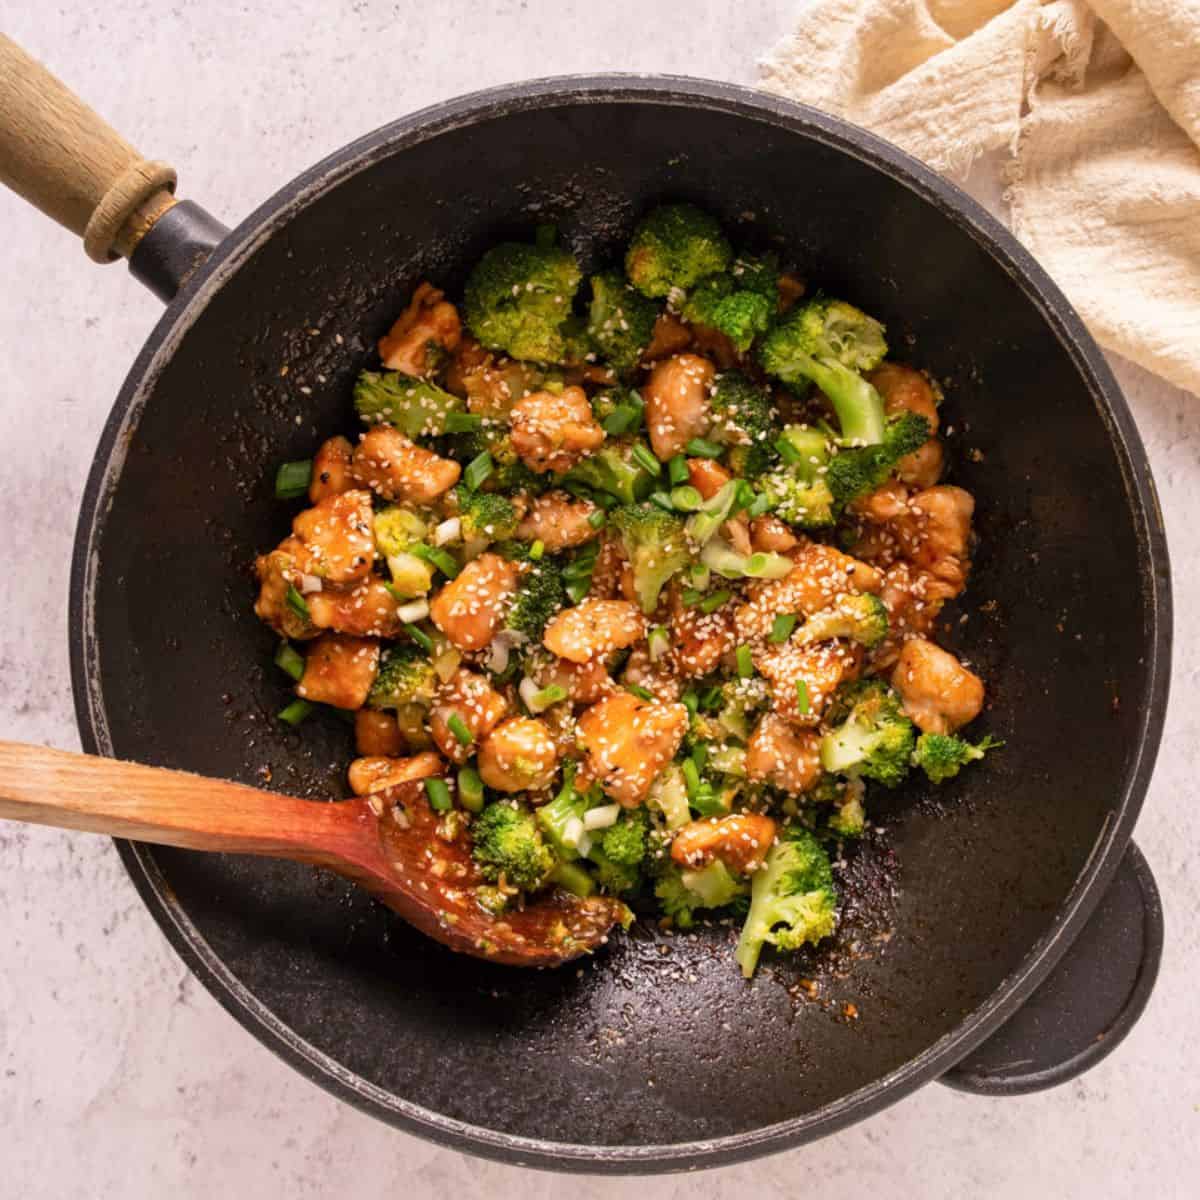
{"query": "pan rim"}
(954, 205)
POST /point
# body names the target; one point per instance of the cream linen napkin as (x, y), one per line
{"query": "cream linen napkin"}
(1097, 107)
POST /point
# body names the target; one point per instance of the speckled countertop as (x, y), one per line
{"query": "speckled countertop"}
(121, 1076)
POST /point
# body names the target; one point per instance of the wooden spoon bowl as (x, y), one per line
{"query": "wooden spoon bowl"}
(391, 843)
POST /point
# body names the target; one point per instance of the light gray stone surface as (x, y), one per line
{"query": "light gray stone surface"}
(121, 1077)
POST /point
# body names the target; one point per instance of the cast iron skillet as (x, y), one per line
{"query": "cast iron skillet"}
(655, 1055)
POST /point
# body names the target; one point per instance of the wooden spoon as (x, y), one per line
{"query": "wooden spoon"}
(387, 843)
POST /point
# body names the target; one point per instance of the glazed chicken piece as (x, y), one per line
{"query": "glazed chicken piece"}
(699, 640)
(628, 741)
(904, 389)
(519, 755)
(339, 670)
(558, 521)
(331, 470)
(939, 693)
(376, 734)
(275, 572)
(823, 667)
(669, 336)
(937, 531)
(398, 469)
(553, 432)
(784, 757)
(367, 610)
(913, 600)
(677, 408)
(374, 773)
(337, 539)
(584, 683)
(470, 608)
(477, 705)
(469, 357)
(772, 536)
(426, 331)
(820, 576)
(594, 629)
(740, 841)
(658, 678)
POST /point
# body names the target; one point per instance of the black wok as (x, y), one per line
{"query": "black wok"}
(654, 1055)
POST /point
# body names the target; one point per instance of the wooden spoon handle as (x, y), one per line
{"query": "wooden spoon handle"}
(59, 155)
(173, 808)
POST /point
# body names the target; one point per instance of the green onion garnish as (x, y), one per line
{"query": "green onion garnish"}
(685, 498)
(419, 636)
(622, 419)
(761, 505)
(707, 801)
(460, 422)
(439, 795)
(787, 451)
(712, 603)
(658, 642)
(745, 662)
(470, 789)
(596, 520)
(640, 692)
(690, 701)
(677, 470)
(477, 470)
(703, 448)
(691, 778)
(577, 589)
(802, 700)
(700, 575)
(458, 727)
(663, 500)
(296, 711)
(537, 550)
(710, 698)
(700, 755)
(646, 460)
(690, 596)
(442, 559)
(745, 496)
(781, 627)
(555, 693)
(297, 603)
(292, 479)
(287, 659)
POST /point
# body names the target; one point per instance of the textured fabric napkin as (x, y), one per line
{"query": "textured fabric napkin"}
(1095, 105)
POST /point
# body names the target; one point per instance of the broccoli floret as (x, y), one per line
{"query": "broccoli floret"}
(668, 794)
(741, 701)
(406, 676)
(799, 489)
(793, 900)
(485, 516)
(675, 246)
(743, 419)
(721, 304)
(942, 755)
(612, 471)
(574, 878)
(854, 472)
(680, 893)
(861, 618)
(874, 739)
(414, 406)
(828, 342)
(518, 299)
(542, 592)
(758, 273)
(620, 321)
(655, 546)
(508, 843)
(509, 473)
(848, 818)
(556, 817)
(625, 842)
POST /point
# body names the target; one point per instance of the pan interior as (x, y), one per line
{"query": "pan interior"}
(658, 1039)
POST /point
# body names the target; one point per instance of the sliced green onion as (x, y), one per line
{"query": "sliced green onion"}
(596, 520)
(711, 603)
(677, 469)
(700, 755)
(690, 596)
(458, 727)
(646, 460)
(710, 698)
(713, 513)
(470, 789)
(745, 496)
(537, 550)
(691, 778)
(460, 422)
(292, 479)
(477, 470)
(622, 419)
(289, 660)
(781, 627)
(419, 636)
(690, 701)
(685, 498)
(442, 559)
(663, 500)
(802, 701)
(788, 452)
(439, 795)
(700, 575)
(538, 701)
(296, 711)
(658, 642)
(708, 802)
(761, 505)
(745, 662)
(297, 603)
(703, 448)
(640, 692)
(578, 588)
(604, 499)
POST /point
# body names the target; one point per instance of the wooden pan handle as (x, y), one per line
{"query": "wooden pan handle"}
(68, 162)
(173, 808)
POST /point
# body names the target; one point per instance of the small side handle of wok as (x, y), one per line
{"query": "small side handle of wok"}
(1091, 999)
